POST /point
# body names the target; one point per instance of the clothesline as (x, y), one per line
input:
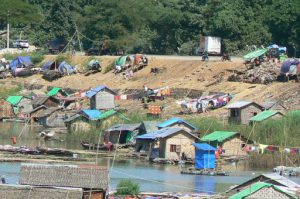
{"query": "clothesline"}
(262, 147)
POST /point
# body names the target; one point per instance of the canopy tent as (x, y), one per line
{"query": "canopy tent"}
(49, 65)
(123, 62)
(20, 62)
(255, 54)
(64, 67)
(140, 59)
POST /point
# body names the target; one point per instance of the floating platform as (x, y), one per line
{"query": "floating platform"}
(205, 172)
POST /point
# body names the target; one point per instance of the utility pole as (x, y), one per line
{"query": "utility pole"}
(7, 34)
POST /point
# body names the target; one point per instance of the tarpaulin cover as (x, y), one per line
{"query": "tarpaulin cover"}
(91, 114)
(65, 67)
(14, 100)
(121, 61)
(205, 156)
(49, 65)
(255, 54)
(175, 120)
(20, 62)
(285, 67)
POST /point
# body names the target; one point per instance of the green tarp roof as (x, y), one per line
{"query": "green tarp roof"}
(219, 136)
(54, 91)
(256, 187)
(121, 61)
(106, 114)
(14, 100)
(263, 115)
(255, 54)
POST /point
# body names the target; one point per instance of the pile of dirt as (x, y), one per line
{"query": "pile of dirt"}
(263, 74)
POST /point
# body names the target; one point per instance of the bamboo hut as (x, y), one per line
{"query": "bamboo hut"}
(101, 98)
(6, 110)
(240, 112)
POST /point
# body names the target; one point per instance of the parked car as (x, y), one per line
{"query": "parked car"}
(21, 44)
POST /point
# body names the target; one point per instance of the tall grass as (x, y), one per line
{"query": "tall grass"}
(5, 92)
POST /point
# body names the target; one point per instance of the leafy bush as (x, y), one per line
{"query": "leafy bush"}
(128, 187)
(37, 57)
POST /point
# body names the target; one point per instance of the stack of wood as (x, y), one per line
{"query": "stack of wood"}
(263, 74)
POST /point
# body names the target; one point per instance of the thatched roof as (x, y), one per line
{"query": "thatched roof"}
(81, 176)
(26, 191)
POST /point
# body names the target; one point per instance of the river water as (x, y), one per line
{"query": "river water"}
(151, 177)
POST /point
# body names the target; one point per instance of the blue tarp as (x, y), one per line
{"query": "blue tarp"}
(97, 89)
(20, 62)
(285, 67)
(49, 65)
(64, 67)
(91, 114)
(175, 120)
(204, 156)
(162, 133)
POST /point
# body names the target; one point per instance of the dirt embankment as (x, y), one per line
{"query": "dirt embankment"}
(177, 73)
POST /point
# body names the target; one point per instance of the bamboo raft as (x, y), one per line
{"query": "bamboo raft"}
(205, 172)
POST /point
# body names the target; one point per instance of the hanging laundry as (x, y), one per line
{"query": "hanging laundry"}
(287, 150)
(262, 147)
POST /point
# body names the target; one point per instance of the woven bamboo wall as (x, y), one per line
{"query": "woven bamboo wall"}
(233, 147)
(24, 191)
(268, 192)
(64, 176)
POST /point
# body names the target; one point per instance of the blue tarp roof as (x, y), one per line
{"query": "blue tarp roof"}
(204, 147)
(91, 114)
(285, 67)
(47, 65)
(97, 89)
(20, 62)
(175, 120)
(162, 133)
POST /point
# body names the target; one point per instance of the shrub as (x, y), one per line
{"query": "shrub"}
(37, 57)
(128, 187)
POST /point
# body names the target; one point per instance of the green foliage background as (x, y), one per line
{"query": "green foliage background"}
(156, 26)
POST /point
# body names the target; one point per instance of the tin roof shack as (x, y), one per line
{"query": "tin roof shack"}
(240, 112)
(92, 179)
(45, 100)
(57, 92)
(266, 115)
(169, 143)
(148, 127)
(177, 122)
(101, 98)
(83, 121)
(272, 178)
(21, 104)
(264, 190)
(121, 133)
(10, 191)
(274, 105)
(204, 156)
(35, 113)
(232, 143)
(6, 110)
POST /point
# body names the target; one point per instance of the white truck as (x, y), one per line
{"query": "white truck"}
(210, 44)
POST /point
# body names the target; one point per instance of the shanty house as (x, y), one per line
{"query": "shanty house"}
(121, 133)
(50, 117)
(6, 110)
(266, 115)
(169, 143)
(240, 112)
(35, 114)
(177, 122)
(204, 156)
(148, 127)
(57, 92)
(232, 143)
(272, 178)
(101, 98)
(93, 180)
(84, 120)
(45, 100)
(264, 190)
(21, 104)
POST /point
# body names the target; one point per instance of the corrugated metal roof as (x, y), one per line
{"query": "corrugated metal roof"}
(48, 112)
(95, 90)
(14, 100)
(73, 117)
(124, 127)
(256, 187)
(162, 133)
(150, 126)
(204, 147)
(264, 115)
(239, 104)
(219, 136)
(91, 114)
(175, 120)
(282, 180)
